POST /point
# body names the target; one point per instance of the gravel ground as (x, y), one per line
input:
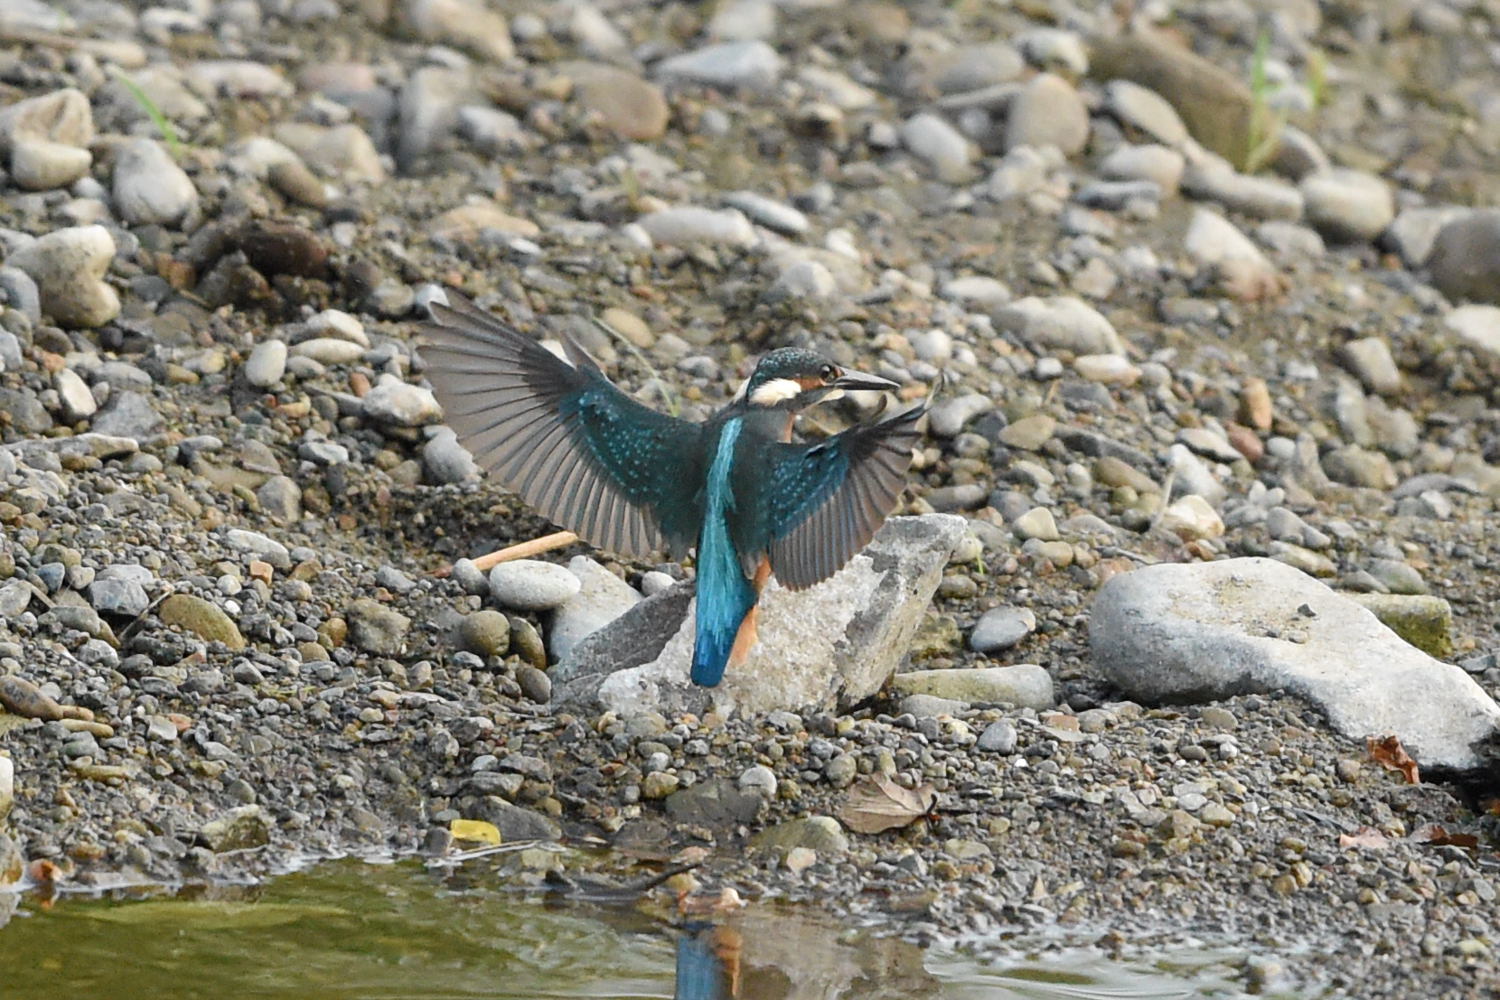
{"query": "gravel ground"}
(1161, 334)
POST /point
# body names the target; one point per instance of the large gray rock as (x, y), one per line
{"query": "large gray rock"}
(601, 599)
(1204, 631)
(834, 643)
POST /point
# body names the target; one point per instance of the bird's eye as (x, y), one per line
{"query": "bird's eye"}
(828, 373)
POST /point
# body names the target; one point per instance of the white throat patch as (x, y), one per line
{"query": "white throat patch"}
(778, 390)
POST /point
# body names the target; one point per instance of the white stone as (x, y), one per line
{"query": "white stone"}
(532, 585)
(752, 64)
(1192, 517)
(267, 364)
(329, 351)
(1060, 323)
(1348, 205)
(768, 212)
(691, 224)
(1109, 369)
(938, 144)
(980, 289)
(1205, 631)
(41, 165)
(1025, 685)
(150, 188)
(68, 266)
(832, 644)
(393, 401)
(1476, 325)
(1037, 523)
(1213, 241)
(78, 401)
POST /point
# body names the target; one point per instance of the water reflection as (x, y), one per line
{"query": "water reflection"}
(776, 954)
(351, 931)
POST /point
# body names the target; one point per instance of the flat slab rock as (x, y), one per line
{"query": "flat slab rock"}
(831, 644)
(1189, 632)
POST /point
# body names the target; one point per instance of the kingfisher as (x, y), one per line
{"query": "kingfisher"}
(627, 478)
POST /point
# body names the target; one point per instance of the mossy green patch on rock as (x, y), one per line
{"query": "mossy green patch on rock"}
(1422, 620)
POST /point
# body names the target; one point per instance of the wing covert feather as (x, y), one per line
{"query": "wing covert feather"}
(828, 499)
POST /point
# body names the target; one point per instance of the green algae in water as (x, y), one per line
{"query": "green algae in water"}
(354, 931)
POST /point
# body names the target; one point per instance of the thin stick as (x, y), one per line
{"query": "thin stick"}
(521, 550)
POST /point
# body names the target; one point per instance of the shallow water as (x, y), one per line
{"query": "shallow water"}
(355, 931)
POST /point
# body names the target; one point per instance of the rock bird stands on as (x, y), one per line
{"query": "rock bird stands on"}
(627, 478)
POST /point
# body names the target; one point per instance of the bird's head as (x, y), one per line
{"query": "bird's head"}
(792, 378)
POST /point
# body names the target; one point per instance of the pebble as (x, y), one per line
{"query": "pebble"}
(1477, 326)
(768, 212)
(1109, 369)
(532, 585)
(1062, 323)
(803, 279)
(1415, 231)
(73, 393)
(1369, 358)
(7, 786)
(1037, 523)
(328, 351)
(447, 461)
(1259, 197)
(1146, 112)
(256, 544)
(376, 628)
(1048, 112)
(1025, 685)
(1157, 164)
(68, 266)
(466, 24)
(129, 415)
(401, 404)
(1348, 206)
(691, 225)
(942, 147)
(39, 164)
(751, 64)
(535, 684)
(149, 187)
(1192, 517)
(1001, 628)
(950, 416)
(633, 107)
(982, 290)
(1214, 242)
(203, 618)
(266, 364)
(998, 737)
(239, 829)
(1465, 257)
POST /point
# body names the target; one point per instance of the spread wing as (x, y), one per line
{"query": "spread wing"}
(584, 454)
(828, 499)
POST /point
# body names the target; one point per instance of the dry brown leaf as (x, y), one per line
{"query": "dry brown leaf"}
(1366, 838)
(878, 804)
(1388, 752)
(1437, 836)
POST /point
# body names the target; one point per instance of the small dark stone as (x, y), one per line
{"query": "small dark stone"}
(284, 248)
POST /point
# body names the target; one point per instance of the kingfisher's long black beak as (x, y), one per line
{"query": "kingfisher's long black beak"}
(850, 381)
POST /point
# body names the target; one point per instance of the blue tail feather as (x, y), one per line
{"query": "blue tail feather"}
(725, 597)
